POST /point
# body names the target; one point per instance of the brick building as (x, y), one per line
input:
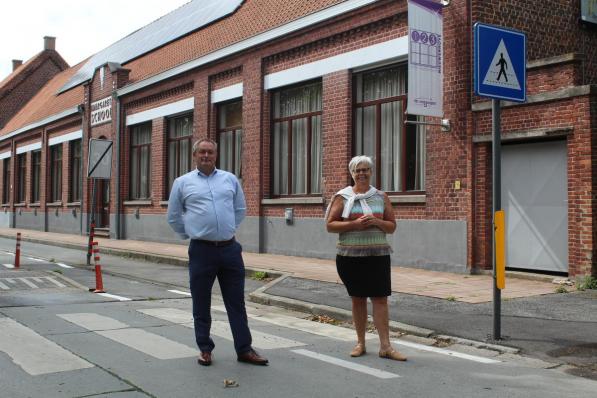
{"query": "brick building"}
(292, 90)
(26, 79)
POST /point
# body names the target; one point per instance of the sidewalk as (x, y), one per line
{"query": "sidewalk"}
(455, 287)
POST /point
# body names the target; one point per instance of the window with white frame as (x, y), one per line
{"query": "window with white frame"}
(296, 140)
(380, 131)
(56, 173)
(230, 131)
(180, 135)
(35, 175)
(140, 166)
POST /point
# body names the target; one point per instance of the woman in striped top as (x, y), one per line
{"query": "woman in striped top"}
(362, 216)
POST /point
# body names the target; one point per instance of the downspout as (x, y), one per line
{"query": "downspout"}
(81, 110)
(117, 149)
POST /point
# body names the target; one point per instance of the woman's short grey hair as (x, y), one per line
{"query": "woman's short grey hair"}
(196, 144)
(357, 160)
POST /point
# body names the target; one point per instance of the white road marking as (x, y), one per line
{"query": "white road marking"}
(3, 286)
(35, 354)
(36, 259)
(28, 283)
(442, 351)
(9, 265)
(317, 328)
(346, 364)
(63, 265)
(180, 292)
(221, 328)
(138, 339)
(119, 298)
(54, 281)
(10, 280)
(37, 279)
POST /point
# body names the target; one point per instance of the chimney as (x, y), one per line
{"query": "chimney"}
(49, 43)
(16, 63)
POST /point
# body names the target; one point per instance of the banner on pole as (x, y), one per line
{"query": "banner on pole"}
(425, 52)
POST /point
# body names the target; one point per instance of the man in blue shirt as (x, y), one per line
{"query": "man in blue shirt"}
(207, 205)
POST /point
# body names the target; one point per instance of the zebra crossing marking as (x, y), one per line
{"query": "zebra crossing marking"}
(180, 292)
(113, 296)
(317, 328)
(444, 351)
(10, 266)
(35, 354)
(28, 283)
(381, 374)
(138, 339)
(221, 329)
(63, 265)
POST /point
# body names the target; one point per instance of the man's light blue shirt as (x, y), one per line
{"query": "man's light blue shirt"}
(209, 207)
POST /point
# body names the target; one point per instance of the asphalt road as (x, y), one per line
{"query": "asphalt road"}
(60, 340)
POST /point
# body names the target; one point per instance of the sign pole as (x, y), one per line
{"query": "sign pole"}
(91, 222)
(497, 205)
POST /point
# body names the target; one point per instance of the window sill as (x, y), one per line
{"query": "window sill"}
(73, 204)
(23, 204)
(5, 205)
(398, 199)
(293, 201)
(137, 203)
(54, 204)
(163, 203)
(36, 204)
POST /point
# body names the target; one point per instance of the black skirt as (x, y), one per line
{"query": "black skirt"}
(365, 276)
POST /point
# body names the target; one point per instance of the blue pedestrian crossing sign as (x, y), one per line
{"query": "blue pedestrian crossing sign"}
(500, 63)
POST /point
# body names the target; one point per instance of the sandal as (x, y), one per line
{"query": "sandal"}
(358, 350)
(392, 354)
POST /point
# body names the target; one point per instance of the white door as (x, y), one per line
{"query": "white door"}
(535, 200)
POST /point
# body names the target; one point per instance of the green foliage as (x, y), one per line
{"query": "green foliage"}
(260, 275)
(588, 282)
(451, 298)
(561, 289)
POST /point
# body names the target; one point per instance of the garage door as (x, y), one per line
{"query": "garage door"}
(535, 199)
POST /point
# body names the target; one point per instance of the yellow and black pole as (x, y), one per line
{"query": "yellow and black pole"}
(498, 254)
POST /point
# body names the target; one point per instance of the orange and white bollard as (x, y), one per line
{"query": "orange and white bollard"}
(99, 284)
(90, 244)
(18, 251)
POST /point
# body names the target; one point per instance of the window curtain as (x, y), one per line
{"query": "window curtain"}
(238, 136)
(140, 161)
(316, 158)
(294, 102)
(281, 158)
(391, 137)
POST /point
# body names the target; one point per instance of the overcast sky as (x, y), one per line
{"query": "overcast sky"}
(81, 27)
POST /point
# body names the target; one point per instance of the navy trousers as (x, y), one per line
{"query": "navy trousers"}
(206, 263)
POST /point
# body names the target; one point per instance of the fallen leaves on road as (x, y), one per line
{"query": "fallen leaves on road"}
(229, 383)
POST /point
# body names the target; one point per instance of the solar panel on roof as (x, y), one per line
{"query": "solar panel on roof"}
(179, 22)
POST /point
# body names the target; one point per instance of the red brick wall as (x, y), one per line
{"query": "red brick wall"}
(22, 88)
(552, 28)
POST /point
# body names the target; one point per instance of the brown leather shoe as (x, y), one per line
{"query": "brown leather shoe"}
(392, 354)
(204, 358)
(252, 357)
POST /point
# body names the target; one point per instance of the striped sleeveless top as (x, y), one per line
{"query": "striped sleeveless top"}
(368, 242)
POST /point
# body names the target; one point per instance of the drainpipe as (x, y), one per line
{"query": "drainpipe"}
(81, 110)
(117, 149)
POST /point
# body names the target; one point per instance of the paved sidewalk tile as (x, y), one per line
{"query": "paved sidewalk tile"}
(444, 285)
